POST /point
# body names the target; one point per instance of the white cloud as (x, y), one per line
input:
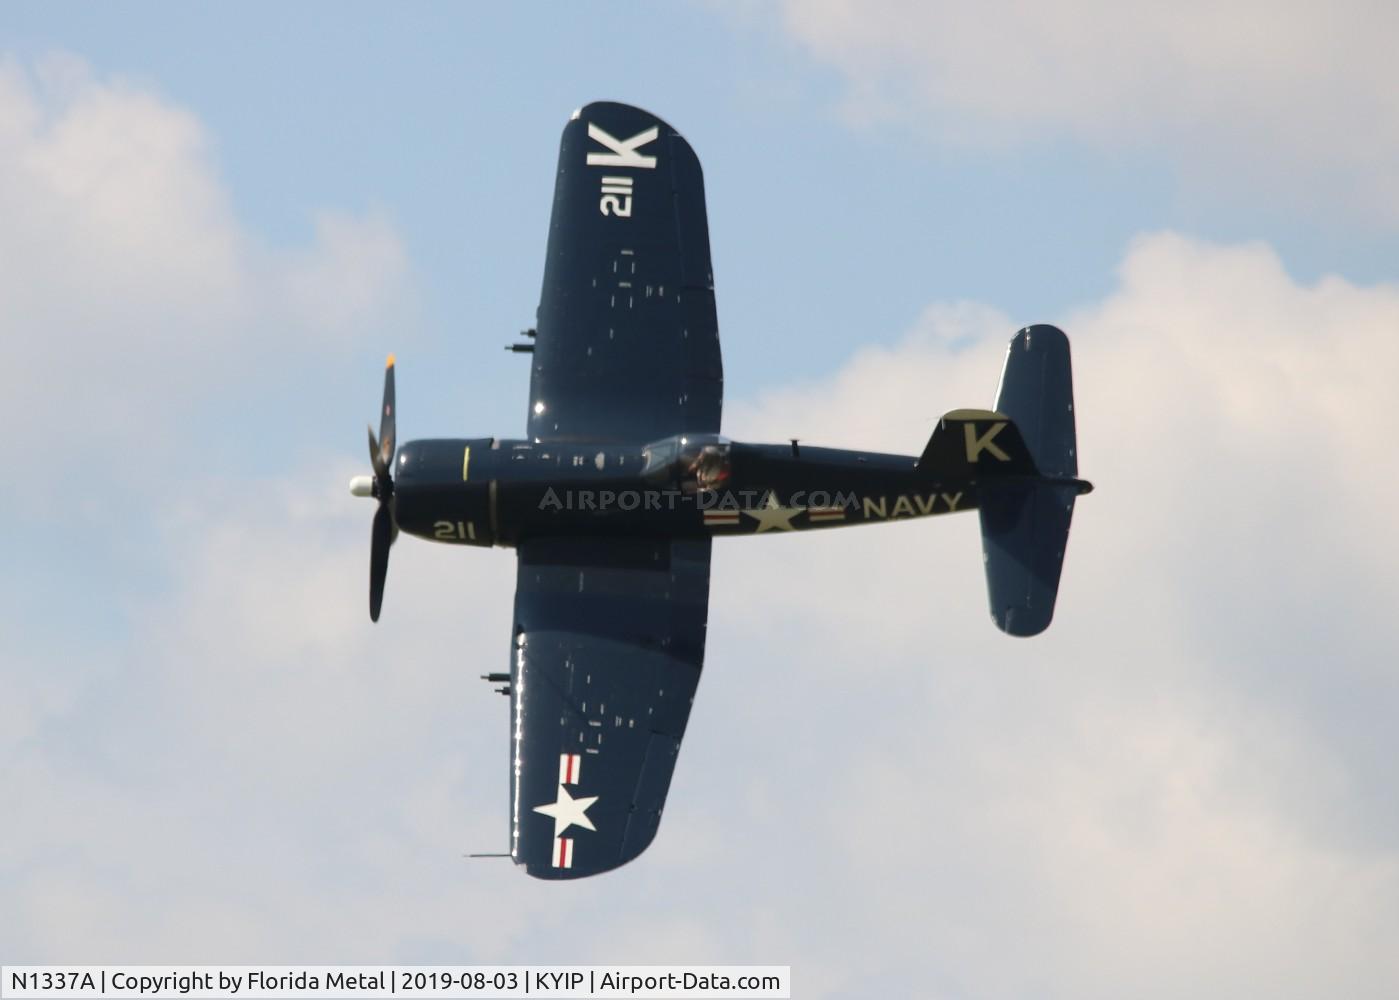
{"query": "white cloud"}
(876, 785)
(1195, 759)
(1284, 96)
(109, 199)
(131, 292)
(256, 752)
(1184, 787)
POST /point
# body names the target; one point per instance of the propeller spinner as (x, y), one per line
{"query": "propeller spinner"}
(380, 485)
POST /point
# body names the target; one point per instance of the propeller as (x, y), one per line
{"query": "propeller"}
(382, 536)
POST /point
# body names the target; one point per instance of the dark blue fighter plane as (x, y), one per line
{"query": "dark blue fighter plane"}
(612, 499)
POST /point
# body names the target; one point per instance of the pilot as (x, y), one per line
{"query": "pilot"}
(710, 467)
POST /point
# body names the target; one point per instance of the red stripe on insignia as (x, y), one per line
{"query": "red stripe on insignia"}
(569, 765)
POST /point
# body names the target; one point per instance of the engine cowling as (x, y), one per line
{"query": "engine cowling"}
(442, 490)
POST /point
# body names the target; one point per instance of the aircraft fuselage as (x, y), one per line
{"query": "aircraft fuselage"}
(499, 492)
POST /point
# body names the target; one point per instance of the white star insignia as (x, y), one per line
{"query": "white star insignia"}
(772, 517)
(568, 811)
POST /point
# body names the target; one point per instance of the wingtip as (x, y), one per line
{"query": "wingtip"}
(389, 363)
(1021, 626)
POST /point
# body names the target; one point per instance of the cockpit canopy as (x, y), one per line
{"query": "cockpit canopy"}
(692, 462)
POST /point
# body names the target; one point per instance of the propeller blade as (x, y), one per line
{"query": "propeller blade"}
(381, 451)
(381, 468)
(380, 541)
(388, 425)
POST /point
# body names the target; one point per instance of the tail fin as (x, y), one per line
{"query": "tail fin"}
(967, 444)
(1025, 524)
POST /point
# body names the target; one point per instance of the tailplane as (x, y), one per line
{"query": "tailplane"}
(1025, 525)
(1023, 457)
(1037, 393)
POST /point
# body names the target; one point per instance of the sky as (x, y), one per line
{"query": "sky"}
(218, 220)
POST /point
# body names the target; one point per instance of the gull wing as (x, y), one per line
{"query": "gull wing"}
(607, 651)
(627, 343)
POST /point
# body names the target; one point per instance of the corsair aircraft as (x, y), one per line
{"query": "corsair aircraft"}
(614, 495)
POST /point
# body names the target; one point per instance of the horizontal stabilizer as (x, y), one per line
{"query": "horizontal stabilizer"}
(1024, 531)
(1025, 524)
(1037, 394)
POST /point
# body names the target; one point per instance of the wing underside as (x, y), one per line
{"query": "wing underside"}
(608, 647)
(627, 345)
